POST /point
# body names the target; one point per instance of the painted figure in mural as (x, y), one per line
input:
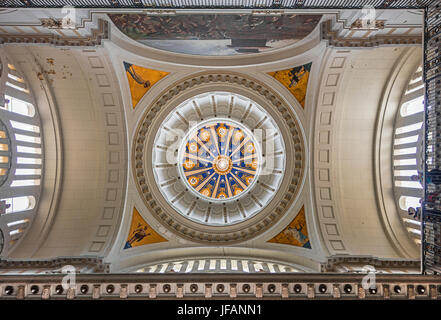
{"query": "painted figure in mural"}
(298, 73)
(135, 76)
(137, 235)
(296, 233)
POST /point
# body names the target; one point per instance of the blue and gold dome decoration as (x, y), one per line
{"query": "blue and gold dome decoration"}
(219, 160)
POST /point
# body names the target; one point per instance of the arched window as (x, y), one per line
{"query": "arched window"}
(413, 106)
(218, 265)
(19, 106)
(407, 148)
(18, 204)
(406, 201)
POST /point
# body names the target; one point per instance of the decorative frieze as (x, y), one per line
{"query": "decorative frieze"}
(94, 39)
(339, 262)
(334, 40)
(81, 264)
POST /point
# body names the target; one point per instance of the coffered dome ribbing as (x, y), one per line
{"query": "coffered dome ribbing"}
(219, 160)
(220, 100)
(222, 170)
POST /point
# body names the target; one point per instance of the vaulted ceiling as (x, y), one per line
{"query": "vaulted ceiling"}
(105, 104)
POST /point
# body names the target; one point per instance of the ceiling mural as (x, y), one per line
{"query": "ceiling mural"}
(220, 160)
(296, 233)
(141, 233)
(295, 80)
(141, 80)
(216, 34)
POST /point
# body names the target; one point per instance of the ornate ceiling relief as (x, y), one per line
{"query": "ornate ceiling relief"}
(295, 80)
(141, 80)
(141, 233)
(52, 31)
(218, 158)
(326, 201)
(296, 233)
(360, 36)
(227, 166)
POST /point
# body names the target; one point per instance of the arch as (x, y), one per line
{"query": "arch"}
(395, 152)
(21, 152)
(407, 140)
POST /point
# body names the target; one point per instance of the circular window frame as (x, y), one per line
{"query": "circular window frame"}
(228, 122)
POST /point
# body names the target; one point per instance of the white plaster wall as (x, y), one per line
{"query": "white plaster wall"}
(85, 176)
(365, 77)
(83, 139)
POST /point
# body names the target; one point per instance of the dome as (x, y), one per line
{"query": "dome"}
(222, 162)
(218, 158)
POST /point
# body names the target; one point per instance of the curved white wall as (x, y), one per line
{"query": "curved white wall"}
(366, 77)
(93, 151)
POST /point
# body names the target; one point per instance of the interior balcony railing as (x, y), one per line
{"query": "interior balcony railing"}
(293, 286)
(221, 4)
(431, 215)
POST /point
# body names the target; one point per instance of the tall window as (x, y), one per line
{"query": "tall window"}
(407, 149)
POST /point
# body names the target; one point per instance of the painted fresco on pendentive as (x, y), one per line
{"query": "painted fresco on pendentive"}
(296, 233)
(216, 34)
(141, 233)
(295, 80)
(141, 80)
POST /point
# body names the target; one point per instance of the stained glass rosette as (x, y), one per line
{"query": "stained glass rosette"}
(219, 160)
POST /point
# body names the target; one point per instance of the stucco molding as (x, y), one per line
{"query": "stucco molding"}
(333, 40)
(90, 263)
(333, 262)
(95, 39)
(107, 96)
(324, 130)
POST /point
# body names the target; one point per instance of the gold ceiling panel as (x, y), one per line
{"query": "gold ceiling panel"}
(296, 233)
(295, 80)
(141, 233)
(141, 80)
